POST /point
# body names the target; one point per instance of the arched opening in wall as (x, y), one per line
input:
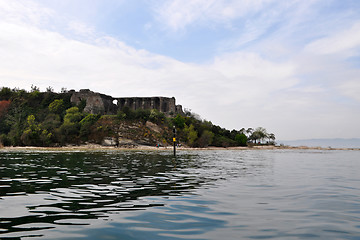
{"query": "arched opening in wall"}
(147, 103)
(131, 103)
(115, 101)
(165, 107)
(157, 104)
(138, 103)
(121, 103)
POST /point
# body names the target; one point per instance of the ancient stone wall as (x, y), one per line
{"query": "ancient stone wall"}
(162, 104)
(97, 103)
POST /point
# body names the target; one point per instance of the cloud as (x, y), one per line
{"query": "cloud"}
(351, 87)
(303, 91)
(342, 42)
(81, 29)
(177, 14)
(42, 57)
(24, 12)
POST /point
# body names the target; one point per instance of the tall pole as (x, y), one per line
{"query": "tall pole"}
(174, 140)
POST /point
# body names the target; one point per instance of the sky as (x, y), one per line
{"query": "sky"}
(290, 66)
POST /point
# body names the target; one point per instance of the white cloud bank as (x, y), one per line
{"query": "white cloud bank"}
(234, 90)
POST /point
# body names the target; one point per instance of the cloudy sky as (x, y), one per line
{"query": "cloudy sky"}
(290, 66)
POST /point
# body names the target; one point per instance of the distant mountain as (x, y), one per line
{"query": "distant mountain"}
(333, 142)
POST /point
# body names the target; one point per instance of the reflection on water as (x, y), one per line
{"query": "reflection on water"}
(43, 190)
(198, 195)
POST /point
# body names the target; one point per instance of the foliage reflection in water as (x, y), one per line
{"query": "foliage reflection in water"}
(293, 194)
(44, 190)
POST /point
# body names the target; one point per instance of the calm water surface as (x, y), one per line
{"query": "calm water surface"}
(257, 194)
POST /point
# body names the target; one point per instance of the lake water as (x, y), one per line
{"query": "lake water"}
(249, 194)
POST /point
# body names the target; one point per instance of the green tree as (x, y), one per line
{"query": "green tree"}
(35, 92)
(69, 130)
(241, 139)
(249, 132)
(4, 140)
(272, 138)
(5, 93)
(179, 121)
(86, 123)
(142, 114)
(31, 135)
(191, 134)
(72, 115)
(259, 134)
(15, 119)
(51, 122)
(156, 116)
(206, 138)
(222, 141)
(46, 137)
(57, 106)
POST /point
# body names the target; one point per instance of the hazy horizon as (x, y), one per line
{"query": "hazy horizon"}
(291, 67)
(323, 142)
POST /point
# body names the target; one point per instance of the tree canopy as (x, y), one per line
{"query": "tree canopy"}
(50, 119)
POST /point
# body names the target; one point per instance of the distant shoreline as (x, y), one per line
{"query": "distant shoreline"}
(94, 147)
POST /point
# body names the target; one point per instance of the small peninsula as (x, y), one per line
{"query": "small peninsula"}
(73, 118)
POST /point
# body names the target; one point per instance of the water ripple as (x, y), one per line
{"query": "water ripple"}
(198, 195)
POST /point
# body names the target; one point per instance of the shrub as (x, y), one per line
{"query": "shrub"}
(222, 141)
(191, 133)
(5, 93)
(69, 132)
(4, 140)
(156, 116)
(51, 122)
(86, 124)
(57, 106)
(241, 139)
(206, 138)
(179, 121)
(142, 114)
(72, 115)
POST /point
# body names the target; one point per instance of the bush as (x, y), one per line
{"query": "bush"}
(156, 116)
(142, 114)
(192, 134)
(69, 132)
(51, 122)
(4, 140)
(72, 115)
(206, 138)
(86, 124)
(90, 118)
(179, 121)
(121, 115)
(5, 93)
(241, 139)
(57, 106)
(222, 141)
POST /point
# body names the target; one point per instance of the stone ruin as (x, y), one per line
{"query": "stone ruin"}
(97, 103)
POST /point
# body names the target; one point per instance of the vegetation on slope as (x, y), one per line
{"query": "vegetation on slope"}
(47, 118)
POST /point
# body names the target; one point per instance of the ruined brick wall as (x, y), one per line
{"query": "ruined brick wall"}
(97, 103)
